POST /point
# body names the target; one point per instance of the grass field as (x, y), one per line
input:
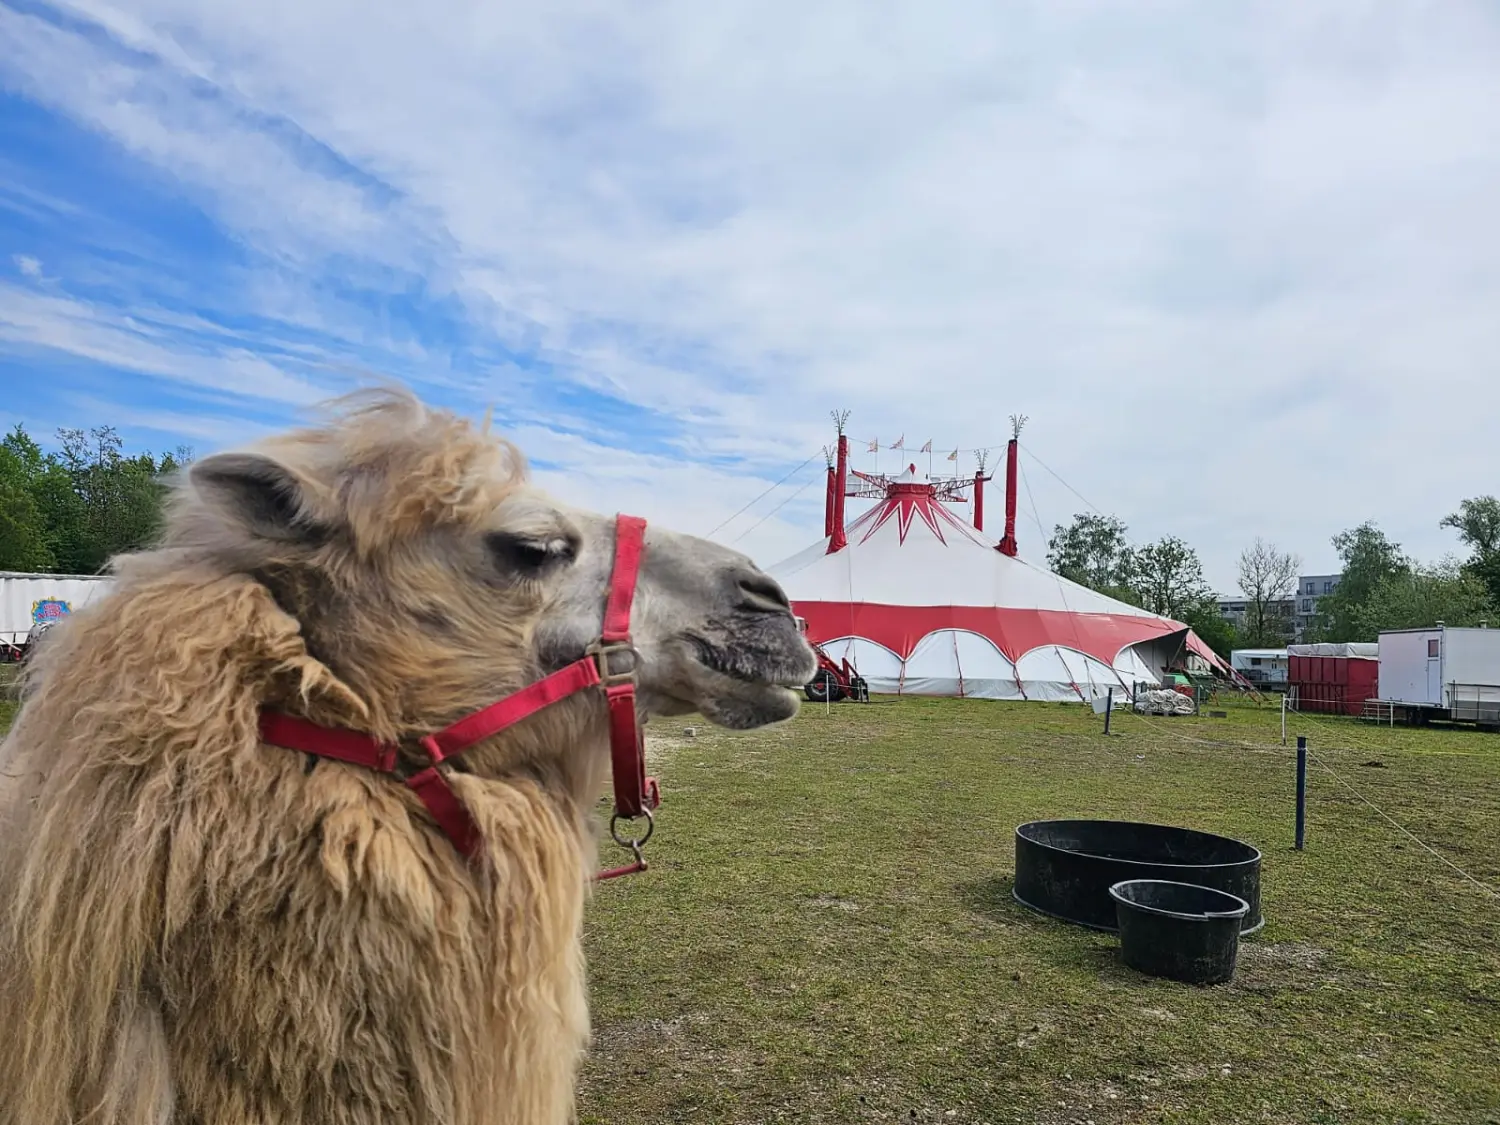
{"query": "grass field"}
(827, 932)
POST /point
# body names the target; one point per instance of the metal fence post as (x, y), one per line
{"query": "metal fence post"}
(1109, 707)
(1301, 789)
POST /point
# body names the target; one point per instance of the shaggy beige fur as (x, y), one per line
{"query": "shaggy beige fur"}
(203, 929)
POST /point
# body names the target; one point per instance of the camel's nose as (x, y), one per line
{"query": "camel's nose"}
(761, 591)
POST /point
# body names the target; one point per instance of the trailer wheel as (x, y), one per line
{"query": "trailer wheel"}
(824, 687)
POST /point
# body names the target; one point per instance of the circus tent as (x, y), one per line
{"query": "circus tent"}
(921, 602)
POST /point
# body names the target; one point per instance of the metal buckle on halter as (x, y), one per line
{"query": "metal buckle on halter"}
(602, 651)
(632, 845)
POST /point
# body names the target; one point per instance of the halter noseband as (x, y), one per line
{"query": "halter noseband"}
(635, 793)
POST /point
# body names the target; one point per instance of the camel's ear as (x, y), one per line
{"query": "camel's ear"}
(263, 496)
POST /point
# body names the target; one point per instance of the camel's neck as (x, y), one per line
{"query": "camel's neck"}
(561, 749)
(397, 685)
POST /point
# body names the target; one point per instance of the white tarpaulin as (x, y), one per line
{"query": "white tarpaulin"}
(1368, 650)
(1164, 701)
(30, 599)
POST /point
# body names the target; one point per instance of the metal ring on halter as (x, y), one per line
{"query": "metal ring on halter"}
(632, 844)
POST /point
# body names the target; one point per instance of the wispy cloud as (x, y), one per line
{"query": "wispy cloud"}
(42, 323)
(1205, 249)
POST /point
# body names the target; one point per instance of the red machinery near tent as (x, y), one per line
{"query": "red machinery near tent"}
(834, 679)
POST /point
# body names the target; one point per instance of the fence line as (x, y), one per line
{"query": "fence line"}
(1363, 747)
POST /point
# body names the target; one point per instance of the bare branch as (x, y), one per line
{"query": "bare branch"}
(1268, 578)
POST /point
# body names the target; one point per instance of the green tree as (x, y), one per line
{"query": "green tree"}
(121, 496)
(1167, 577)
(1477, 522)
(1216, 632)
(1424, 596)
(1094, 552)
(1369, 559)
(72, 510)
(23, 532)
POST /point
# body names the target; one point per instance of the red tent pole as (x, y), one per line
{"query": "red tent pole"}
(979, 500)
(828, 502)
(841, 481)
(1008, 544)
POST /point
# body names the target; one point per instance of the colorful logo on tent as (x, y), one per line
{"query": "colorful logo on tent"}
(49, 610)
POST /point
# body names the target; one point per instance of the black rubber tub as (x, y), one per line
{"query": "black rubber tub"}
(1065, 868)
(1179, 931)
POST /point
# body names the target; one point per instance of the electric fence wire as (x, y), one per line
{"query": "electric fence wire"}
(773, 511)
(1321, 763)
(1335, 732)
(1367, 747)
(761, 497)
(1144, 719)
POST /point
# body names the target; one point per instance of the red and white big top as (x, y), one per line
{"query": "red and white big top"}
(921, 603)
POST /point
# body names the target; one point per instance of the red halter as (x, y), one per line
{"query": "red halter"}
(635, 793)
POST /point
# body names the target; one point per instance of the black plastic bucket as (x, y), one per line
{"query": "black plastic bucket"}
(1179, 931)
(1065, 868)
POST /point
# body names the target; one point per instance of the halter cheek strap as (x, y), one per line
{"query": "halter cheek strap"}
(608, 663)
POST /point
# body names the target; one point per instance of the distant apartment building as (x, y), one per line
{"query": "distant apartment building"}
(1301, 609)
(1311, 588)
(1237, 612)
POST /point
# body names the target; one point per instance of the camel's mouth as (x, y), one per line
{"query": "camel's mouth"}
(746, 680)
(739, 705)
(760, 665)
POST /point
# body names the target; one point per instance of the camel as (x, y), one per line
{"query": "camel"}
(214, 924)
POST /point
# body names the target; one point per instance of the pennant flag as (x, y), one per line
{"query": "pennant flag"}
(899, 443)
(926, 448)
(875, 446)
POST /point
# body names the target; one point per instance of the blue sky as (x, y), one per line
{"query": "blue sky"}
(1238, 266)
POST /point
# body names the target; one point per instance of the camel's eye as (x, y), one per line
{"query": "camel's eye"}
(528, 555)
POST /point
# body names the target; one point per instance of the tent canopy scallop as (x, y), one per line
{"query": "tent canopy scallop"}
(922, 603)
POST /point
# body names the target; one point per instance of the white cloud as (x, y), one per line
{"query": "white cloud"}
(663, 490)
(29, 267)
(1237, 265)
(203, 429)
(87, 331)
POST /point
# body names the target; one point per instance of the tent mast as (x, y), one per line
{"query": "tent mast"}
(979, 479)
(1008, 544)
(837, 540)
(828, 494)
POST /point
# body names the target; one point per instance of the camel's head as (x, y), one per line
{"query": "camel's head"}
(715, 634)
(433, 580)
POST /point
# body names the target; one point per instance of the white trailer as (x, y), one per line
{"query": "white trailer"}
(29, 600)
(1263, 667)
(1441, 673)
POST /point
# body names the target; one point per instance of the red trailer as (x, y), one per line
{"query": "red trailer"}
(1333, 678)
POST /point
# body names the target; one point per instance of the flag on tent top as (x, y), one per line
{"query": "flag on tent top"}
(874, 445)
(899, 443)
(926, 448)
(953, 456)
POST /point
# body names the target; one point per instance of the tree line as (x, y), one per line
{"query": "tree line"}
(1381, 586)
(67, 512)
